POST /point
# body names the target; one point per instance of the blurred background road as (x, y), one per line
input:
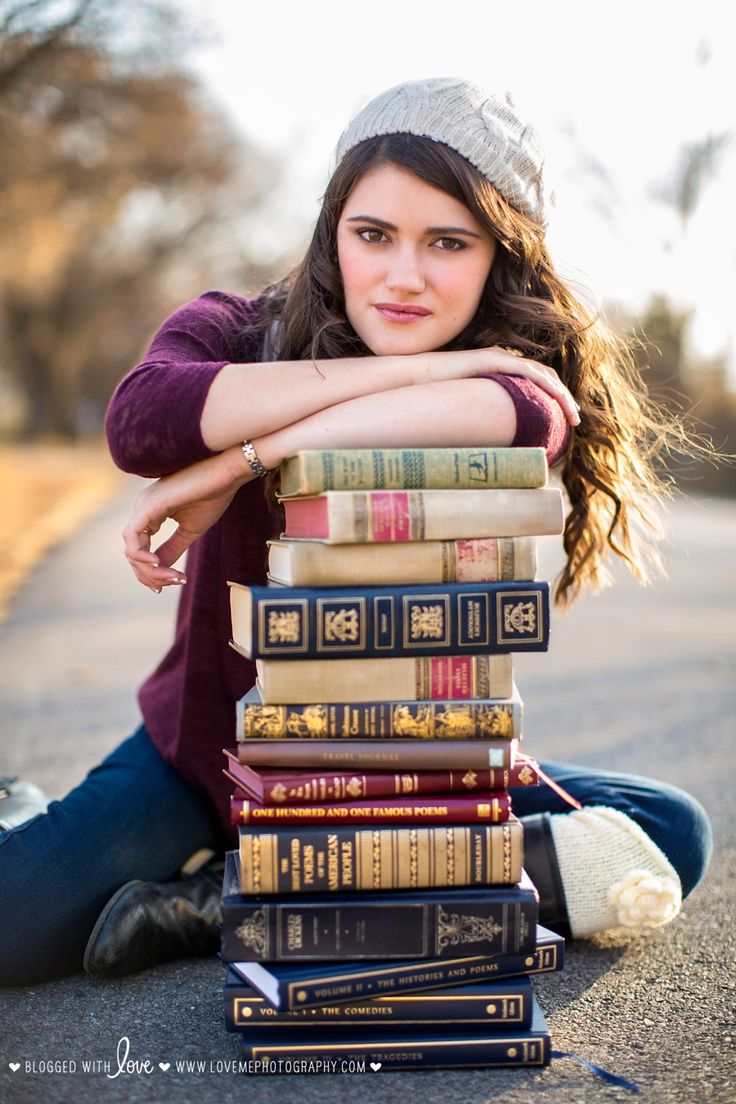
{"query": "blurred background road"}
(637, 680)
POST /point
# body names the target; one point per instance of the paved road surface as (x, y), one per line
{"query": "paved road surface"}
(640, 680)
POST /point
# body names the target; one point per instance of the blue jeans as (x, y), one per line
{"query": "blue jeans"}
(676, 822)
(134, 817)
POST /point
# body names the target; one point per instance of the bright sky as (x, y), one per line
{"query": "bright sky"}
(617, 89)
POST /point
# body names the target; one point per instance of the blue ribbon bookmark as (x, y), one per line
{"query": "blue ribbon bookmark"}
(603, 1074)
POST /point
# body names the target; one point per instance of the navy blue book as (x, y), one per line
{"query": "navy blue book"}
(335, 1051)
(425, 923)
(287, 986)
(358, 622)
(490, 1005)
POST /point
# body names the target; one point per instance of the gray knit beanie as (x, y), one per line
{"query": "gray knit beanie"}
(481, 126)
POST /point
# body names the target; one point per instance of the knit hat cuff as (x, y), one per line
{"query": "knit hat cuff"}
(484, 128)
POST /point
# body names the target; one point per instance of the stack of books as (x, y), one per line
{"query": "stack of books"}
(377, 909)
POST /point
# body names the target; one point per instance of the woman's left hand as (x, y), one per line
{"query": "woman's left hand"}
(545, 377)
(498, 360)
(195, 497)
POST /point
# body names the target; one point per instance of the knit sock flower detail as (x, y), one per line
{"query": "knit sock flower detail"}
(642, 899)
(613, 874)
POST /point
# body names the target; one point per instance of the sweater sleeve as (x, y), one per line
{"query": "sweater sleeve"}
(540, 420)
(153, 419)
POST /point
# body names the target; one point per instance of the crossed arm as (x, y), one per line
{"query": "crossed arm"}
(425, 400)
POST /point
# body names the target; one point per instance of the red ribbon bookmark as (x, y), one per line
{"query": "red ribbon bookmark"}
(549, 781)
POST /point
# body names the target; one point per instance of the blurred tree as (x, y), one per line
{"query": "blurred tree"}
(699, 391)
(661, 330)
(120, 191)
(697, 164)
(676, 376)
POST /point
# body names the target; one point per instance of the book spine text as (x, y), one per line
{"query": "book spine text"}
(345, 859)
(492, 808)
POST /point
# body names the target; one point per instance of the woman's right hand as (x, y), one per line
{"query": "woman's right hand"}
(478, 363)
(195, 497)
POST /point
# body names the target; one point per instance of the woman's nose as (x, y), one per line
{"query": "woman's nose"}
(405, 272)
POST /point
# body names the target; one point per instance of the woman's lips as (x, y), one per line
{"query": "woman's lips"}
(397, 312)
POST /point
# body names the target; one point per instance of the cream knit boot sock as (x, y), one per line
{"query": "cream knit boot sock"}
(612, 873)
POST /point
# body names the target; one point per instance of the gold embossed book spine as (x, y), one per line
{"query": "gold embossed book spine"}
(402, 1047)
(481, 718)
(493, 1005)
(488, 808)
(456, 619)
(346, 859)
(275, 787)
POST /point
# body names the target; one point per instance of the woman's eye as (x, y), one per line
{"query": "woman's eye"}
(371, 234)
(450, 245)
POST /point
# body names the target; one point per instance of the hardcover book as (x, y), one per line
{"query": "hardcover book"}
(340, 622)
(404, 1048)
(292, 985)
(489, 560)
(360, 517)
(490, 807)
(402, 755)
(489, 1005)
(486, 718)
(406, 925)
(281, 787)
(345, 681)
(352, 859)
(313, 471)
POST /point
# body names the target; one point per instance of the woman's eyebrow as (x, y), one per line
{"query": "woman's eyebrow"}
(430, 229)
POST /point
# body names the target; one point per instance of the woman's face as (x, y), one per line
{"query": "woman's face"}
(413, 261)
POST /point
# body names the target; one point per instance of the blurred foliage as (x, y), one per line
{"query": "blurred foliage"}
(691, 388)
(695, 389)
(121, 193)
(697, 163)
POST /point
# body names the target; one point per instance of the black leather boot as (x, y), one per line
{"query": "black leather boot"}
(540, 863)
(147, 923)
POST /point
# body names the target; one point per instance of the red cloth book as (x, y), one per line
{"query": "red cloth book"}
(308, 787)
(440, 809)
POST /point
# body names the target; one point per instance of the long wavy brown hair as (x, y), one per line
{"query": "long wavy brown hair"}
(611, 470)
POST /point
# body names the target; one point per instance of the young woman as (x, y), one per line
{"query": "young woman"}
(426, 312)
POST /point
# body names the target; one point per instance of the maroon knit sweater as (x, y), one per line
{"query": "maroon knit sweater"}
(153, 428)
